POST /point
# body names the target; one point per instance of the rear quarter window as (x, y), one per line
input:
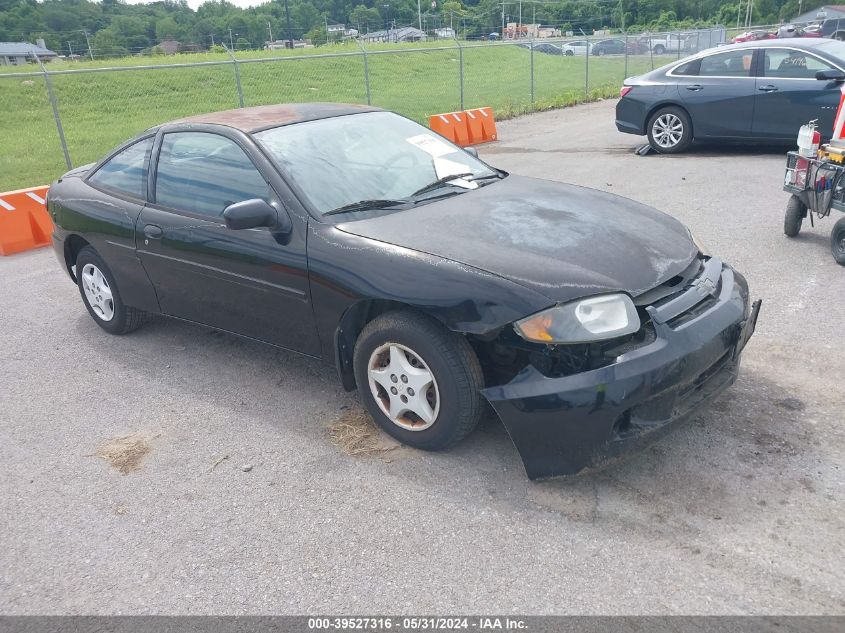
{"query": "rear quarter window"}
(126, 172)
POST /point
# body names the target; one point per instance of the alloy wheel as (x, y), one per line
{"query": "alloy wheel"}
(667, 130)
(98, 292)
(403, 387)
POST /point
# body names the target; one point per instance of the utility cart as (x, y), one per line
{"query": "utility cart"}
(817, 185)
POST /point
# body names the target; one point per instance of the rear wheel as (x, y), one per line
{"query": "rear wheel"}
(419, 381)
(670, 130)
(795, 214)
(101, 296)
(837, 242)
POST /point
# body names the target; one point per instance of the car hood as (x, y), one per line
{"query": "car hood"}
(560, 240)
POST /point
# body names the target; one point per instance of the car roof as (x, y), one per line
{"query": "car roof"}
(795, 42)
(269, 116)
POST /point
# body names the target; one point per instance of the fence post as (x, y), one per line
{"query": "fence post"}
(651, 50)
(532, 70)
(587, 70)
(625, 75)
(366, 70)
(460, 69)
(679, 46)
(237, 76)
(54, 104)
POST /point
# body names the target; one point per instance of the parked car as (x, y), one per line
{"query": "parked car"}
(429, 279)
(665, 43)
(790, 30)
(546, 48)
(762, 90)
(833, 28)
(754, 36)
(609, 47)
(578, 47)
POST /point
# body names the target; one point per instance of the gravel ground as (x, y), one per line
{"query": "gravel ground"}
(739, 511)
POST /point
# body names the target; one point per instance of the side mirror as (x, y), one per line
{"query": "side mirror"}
(250, 214)
(830, 75)
(471, 151)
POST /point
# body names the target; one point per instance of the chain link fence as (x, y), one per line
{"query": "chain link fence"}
(57, 118)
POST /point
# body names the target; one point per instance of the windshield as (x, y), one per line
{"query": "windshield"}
(370, 156)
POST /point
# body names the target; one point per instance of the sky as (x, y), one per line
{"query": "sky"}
(196, 3)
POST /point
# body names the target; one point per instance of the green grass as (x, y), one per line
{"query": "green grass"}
(101, 109)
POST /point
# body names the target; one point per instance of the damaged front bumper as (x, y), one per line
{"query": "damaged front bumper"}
(563, 425)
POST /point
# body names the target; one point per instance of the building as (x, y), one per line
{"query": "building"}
(820, 14)
(170, 47)
(402, 34)
(19, 53)
(283, 44)
(515, 31)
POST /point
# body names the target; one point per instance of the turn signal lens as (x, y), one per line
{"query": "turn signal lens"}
(625, 90)
(592, 319)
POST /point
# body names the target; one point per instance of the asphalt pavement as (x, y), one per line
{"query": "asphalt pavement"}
(243, 504)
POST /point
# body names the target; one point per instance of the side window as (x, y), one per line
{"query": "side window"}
(690, 68)
(126, 172)
(728, 64)
(781, 62)
(201, 172)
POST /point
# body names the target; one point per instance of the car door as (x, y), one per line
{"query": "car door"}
(789, 95)
(718, 92)
(252, 282)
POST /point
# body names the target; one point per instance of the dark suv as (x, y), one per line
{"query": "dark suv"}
(834, 28)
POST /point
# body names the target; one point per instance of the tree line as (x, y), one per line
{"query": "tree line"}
(112, 28)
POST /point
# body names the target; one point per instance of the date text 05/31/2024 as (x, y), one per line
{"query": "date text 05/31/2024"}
(417, 623)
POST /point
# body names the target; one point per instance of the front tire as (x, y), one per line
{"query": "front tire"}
(795, 214)
(420, 382)
(659, 50)
(569, 53)
(670, 130)
(101, 296)
(837, 242)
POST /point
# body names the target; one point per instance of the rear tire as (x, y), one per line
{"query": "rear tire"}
(795, 214)
(837, 242)
(669, 130)
(406, 362)
(101, 295)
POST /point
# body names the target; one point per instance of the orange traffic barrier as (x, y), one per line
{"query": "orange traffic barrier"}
(24, 221)
(482, 125)
(452, 125)
(469, 127)
(839, 121)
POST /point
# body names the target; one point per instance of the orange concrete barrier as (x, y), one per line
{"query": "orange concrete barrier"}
(469, 127)
(481, 125)
(24, 221)
(452, 125)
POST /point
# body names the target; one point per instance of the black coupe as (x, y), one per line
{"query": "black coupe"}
(431, 280)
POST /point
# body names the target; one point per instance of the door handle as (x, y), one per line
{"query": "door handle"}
(768, 88)
(695, 87)
(153, 232)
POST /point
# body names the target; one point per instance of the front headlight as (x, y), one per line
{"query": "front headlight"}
(593, 319)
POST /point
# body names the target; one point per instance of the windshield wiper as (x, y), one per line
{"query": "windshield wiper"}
(439, 183)
(363, 205)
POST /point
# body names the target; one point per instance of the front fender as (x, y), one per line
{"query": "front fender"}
(346, 269)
